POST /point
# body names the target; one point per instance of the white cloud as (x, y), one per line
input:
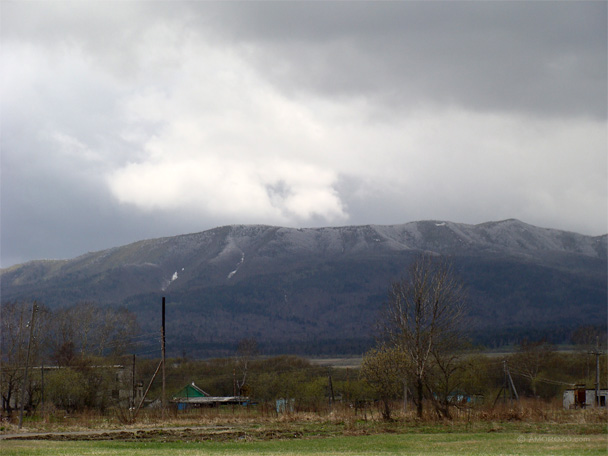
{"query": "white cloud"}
(233, 145)
(217, 113)
(213, 187)
(225, 142)
(468, 166)
(219, 140)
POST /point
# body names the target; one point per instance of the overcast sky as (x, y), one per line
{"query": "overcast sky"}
(130, 120)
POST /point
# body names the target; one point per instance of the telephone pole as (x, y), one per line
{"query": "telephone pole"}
(405, 395)
(27, 363)
(133, 384)
(161, 368)
(597, 354)
(163, 399)
(332, 399)
(42, 388)
(507, 385)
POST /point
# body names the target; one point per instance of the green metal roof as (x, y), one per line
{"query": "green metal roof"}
(190, 391)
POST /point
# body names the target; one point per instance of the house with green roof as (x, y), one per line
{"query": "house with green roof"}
(191, 396)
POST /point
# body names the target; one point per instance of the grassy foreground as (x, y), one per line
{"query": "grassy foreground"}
(530, 428)
(382, 444)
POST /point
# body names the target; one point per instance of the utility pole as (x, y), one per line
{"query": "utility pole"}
(146, 392)
(507, 385)
(405, 395)
(133, 384)
(597, 354)
(27, 363)
(512, 386)
(42, 388)
(597, 372)
(331, 391)
(160, 365)
(234, 386)
(504, 383)
(347, 387)
(163, 399)
(234, 382)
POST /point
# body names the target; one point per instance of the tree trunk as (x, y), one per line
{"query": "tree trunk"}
(386, 414)
(419, 404)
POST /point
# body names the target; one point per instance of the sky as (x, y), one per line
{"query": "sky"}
(127, 120)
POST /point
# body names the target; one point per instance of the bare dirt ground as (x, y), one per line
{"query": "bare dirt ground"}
(184, 434)
(224, 425)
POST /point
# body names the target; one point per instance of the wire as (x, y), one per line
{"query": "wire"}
(539, 379)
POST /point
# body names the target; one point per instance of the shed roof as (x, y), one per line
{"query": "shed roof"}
(210, 399)
(189, 391)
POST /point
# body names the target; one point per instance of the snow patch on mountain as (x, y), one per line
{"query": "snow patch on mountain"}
(231, 274)
(170, 281)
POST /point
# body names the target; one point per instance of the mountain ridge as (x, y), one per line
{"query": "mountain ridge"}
(569, 237)
(300, 284)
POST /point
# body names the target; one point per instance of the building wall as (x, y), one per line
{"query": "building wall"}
(570, 402)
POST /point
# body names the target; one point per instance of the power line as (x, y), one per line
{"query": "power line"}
(540, 379)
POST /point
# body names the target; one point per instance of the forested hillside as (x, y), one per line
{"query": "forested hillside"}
(320, 290)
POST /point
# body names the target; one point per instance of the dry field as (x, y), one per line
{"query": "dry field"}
(530, 429)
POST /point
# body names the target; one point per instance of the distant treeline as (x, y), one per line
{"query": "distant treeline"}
(506, 338)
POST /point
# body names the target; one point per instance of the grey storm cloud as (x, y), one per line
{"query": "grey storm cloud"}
(545, 57)
(126, 120)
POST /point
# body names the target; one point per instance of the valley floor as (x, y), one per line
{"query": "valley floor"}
(458, 443)
(582, 433)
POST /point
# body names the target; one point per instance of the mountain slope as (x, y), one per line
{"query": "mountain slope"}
(323, 287)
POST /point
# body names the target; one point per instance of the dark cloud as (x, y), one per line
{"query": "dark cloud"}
(128, 120)
(542, 57)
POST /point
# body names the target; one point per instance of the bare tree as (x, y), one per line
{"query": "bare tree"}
(531, 359)
(14, 339)
(247, 349)
(384, 368)
(12, 345)
(443, 379)
(586, 337)
(86, 329)
(423, 311)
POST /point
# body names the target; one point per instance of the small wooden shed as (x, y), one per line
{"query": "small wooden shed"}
(191, 396)
(183, 398)
(582, 397)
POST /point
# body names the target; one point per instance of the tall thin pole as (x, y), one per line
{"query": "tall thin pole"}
(512, 387)
(133, 384)
(405, 395)
(347, 387)
(597, 372)
(27, 363)
(147, 390)
(331, 391)
(597, 354)
(163, 357)
(504, 382)
(234, 381)
(42, 388)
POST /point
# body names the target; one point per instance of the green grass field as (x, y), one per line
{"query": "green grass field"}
(479, 444)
